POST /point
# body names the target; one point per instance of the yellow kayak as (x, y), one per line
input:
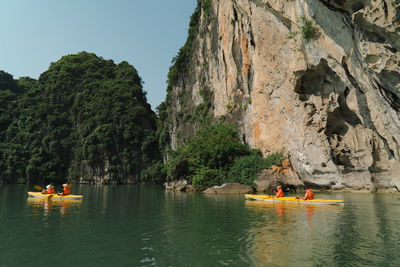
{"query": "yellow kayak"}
(295, 200)
(54, 196)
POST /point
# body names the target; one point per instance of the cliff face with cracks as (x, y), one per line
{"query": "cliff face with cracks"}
(332, 103)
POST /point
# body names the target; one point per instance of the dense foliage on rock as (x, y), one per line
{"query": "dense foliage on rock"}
(215, 155)
(85, 117)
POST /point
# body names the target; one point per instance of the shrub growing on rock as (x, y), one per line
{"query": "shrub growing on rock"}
(216, 156)
(246, 169)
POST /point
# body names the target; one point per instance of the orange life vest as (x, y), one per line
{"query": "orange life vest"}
(309, 195)
(50, 191)
(279, 193)
(67, 191)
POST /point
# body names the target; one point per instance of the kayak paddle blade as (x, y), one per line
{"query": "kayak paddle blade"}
(37, 187)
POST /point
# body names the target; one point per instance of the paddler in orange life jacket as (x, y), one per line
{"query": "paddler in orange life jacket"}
(49, 189)
(308, 195)
(66, 190)
(279, 193)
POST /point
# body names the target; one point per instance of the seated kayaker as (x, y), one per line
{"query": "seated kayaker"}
(308, 195)
(49, 189)
(279, 193)
(66, 190)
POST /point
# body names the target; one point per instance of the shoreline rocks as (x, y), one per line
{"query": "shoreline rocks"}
(229, 188)
(178, 185)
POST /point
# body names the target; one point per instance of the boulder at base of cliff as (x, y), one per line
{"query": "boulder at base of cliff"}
(268, 180)
(177, 185)
(229, 188)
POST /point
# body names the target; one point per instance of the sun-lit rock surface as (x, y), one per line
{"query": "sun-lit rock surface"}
(332, 103)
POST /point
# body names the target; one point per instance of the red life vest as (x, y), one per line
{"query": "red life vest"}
(309, 195)
(67, 191)
(279, 193)
(50, 191)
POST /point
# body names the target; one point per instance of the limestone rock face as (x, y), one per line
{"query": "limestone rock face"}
(229, 188)
(99, 175)
(267, 181)
(332, 103)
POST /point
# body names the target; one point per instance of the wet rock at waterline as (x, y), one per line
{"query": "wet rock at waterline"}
(178, 185)
(229, 188)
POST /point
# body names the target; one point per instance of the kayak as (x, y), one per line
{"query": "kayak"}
(295, 200)
(54, 196)
(39, 202)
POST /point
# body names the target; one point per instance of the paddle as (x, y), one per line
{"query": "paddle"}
(38, 187)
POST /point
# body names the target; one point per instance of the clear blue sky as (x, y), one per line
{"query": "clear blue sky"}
(145, 33)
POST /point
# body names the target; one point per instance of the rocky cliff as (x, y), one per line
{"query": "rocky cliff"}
(317, 79)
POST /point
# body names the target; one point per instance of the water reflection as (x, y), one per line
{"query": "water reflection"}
(147, 226)
(46, 206)
(280, 232)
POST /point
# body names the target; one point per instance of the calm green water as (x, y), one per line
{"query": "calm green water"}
(146, 226)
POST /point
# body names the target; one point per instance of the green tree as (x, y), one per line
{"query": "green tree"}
(207, 157)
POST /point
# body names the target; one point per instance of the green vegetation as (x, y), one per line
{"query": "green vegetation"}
(230, 105)
(155, 173)
(215, 156)
(181, 62)
(207, 6)
(307, 29)
(246, 169)
(201, 111)
(84, 117)
(214, 147)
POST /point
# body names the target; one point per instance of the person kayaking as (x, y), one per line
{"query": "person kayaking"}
(279, 193)
(308, 195)
(49, 189)
(66, 190)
